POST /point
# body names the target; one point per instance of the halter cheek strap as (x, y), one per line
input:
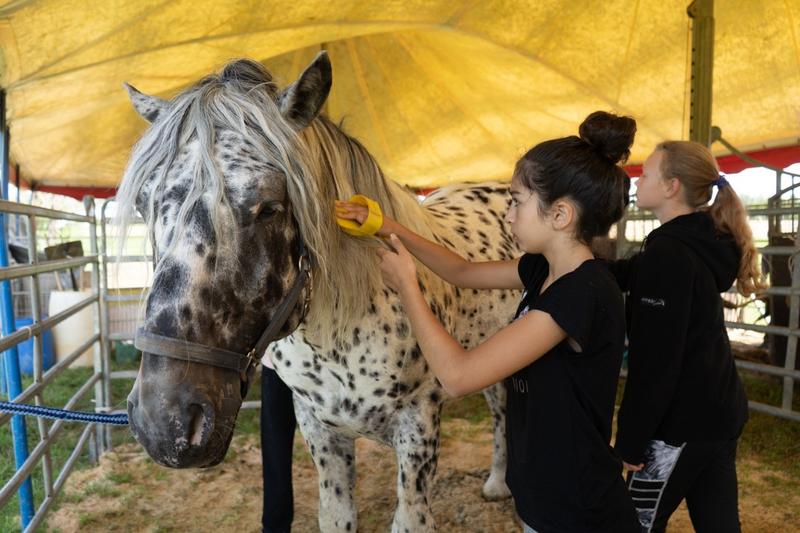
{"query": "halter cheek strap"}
(209, 355)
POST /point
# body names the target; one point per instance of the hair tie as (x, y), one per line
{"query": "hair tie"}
(720, 182)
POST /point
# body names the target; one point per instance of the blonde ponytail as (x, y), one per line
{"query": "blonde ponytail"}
(697, 170)
(730, 216)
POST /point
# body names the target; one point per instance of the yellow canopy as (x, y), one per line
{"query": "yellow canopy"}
(439, 91)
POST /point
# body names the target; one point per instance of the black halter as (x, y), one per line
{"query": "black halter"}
(209, 355)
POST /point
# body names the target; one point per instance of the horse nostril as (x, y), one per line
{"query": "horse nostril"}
(131, 408)
(199, 425)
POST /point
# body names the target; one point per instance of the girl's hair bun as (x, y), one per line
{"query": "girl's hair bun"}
(611, 136)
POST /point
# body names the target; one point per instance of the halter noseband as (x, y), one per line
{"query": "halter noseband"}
(208, 355)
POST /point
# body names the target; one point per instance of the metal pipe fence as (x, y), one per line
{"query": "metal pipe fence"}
(118, 314)
(48, 431)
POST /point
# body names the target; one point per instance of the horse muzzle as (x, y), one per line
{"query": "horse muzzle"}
(181, 428)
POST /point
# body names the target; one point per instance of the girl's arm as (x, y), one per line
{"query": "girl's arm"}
(660, 302)
(463, 371)
(446, 264)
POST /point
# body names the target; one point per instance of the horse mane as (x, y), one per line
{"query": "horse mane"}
(343, 167)
(320, 163)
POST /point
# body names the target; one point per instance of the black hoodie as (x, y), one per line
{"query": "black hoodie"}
(682, 383)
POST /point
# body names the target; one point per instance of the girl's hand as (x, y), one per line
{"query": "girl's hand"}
(632, 468)
(358, 212)
(399, 270)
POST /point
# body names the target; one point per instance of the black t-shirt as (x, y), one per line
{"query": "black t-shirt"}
(562, 470)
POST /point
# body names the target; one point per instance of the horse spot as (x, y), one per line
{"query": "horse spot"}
(165, 324)
(170, 281)
(318, 399)
(201, 222)
(205, 293)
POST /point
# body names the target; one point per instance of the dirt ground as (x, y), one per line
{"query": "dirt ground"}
(128, 492)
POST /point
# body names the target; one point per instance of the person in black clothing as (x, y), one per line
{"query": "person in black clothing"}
(684, 406)
(278, 425)
(560, 358)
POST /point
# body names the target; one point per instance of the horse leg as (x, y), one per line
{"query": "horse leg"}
(334, 456)
(495, 487)
(416, 443)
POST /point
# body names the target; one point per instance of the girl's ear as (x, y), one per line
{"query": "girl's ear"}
(672, 187)
(562, 213)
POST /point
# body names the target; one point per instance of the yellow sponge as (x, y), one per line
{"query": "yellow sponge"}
(370, 226)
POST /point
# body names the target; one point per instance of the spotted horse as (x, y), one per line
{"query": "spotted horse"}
(236, 180)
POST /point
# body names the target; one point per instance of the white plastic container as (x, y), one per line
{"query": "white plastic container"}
(74, 331)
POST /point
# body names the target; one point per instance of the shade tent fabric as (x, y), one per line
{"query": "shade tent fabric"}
(438, 91)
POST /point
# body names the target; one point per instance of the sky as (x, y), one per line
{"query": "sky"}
(755, 185)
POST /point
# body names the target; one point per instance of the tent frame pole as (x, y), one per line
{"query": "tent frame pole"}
(13, 380)
(702, 72)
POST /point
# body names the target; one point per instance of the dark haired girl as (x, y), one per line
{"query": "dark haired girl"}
(560, 358)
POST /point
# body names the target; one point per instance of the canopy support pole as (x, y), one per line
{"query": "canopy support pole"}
(702, 72)
(11, 356)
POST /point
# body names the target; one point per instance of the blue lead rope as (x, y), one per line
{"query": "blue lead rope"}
(62, 414)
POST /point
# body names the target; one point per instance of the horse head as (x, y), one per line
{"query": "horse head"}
(215, 179)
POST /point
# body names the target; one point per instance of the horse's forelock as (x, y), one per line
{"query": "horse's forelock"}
(228, 101)
(248, 73)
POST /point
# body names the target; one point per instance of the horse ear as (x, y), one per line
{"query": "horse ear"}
(302, 101)
(147, 106)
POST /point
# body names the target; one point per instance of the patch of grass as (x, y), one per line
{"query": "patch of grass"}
(130, 495)
(72, 497)
(102, 488)
(771, 440)
(119, 477)
(472, 408)
(227, 519)
(161, 473)
(56, 394)
(248, 421)
(85, 519)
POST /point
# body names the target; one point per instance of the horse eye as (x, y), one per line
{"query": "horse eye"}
(268, 210)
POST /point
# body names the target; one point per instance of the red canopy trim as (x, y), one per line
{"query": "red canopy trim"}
(77, 192)
(729, 164)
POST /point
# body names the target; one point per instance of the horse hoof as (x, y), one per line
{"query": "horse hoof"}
(494, 490)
